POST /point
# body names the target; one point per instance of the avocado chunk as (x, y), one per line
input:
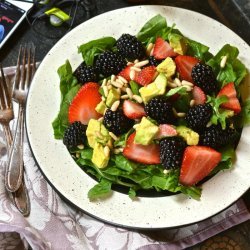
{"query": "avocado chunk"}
(94, 129)
(167, 67)
(113, 95)
(145, 132)
(100, 108)
(99, 158)
(158, 87)
(191, 137)
(178, 43)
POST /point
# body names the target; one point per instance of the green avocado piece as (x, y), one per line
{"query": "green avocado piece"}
(100, 108)
(96, 127)
(191, 137)
(167, 67)
(178, 43)
(158, 87)
(113, 95)
(99, 158)
(145, 132)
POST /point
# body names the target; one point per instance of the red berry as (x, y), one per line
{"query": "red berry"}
(166, 130)
(198, 95)
(133, 110)
(145, 76)
(162, 49)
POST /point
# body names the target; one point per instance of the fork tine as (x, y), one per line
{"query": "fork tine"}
(5, 90)
(23, 71)
(17, 75)
(2, 97)
(28, 71)
(33, 60)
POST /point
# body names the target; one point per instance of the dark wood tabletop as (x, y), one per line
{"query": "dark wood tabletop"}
(235, 14)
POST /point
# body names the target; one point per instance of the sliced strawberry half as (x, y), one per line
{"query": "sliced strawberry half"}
(184, 65)
(233, 102)
(82, 107)
(125, 73)
(198, 95)
(166, 130)
(162, 49)
(149, 154)
(145, 76)
(197, 163)
(133, 110)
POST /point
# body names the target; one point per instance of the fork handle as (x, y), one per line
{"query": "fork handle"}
(14, 171)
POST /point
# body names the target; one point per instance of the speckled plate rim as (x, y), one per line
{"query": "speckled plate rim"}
(72, 183)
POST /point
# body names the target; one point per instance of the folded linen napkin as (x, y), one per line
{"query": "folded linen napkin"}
(53, 224)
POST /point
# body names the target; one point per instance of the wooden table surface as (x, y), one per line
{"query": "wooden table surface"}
(235, 17)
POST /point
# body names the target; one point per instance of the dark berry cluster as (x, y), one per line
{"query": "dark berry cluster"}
(85, 73)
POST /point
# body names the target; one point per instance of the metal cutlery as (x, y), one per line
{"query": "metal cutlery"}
(25, 70)
(20, 197)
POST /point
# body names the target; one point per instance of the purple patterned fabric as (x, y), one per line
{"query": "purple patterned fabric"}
(53, 224)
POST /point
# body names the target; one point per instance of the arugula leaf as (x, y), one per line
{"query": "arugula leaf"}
(100, 190)
(95, 47)
(69, 87)
(234, 70)
(198, 50)
(152, 29)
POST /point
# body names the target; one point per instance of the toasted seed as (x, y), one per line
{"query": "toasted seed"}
(188, 88)
(177, 82)
(104, 82)
(135, 126)
(141, 63)
(135, 69)
(109, 87)
(119, 81)
(81, 146)
(122, 79)
(106, 151)
(175, 112)
(149, 48)
(172, 84)
(110, 143)
(187, 83)
(124, 97)
(117, 84)
(166, 171)
(136, 61)
(115, 105)
(112, 78)
(100, 119)
(113, 136)
(132, 74)
(192, 103)
(223, 61)
(129, 63)
(77, 155)
(103, 98)
(129, 92)
(123, 89)
(137, 98)
(105, 90)
(118, 150)
(108, 82)
(181, 114)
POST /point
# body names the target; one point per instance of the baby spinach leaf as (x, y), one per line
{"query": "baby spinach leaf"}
(193, 191)
(95, 47)
(198, 50)
(134, 87)
(69, 87)
(180, 90)
(100, 190)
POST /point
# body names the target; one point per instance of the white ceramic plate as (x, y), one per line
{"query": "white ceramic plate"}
(72, 182)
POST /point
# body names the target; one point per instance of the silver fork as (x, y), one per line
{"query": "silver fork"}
(20, 197)
(21, 85)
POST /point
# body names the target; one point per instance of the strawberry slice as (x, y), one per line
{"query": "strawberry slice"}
(166, 130)
(145, 76)
(149, 154)
(162, 49)
(125, 73)
(82, 107)
(233, 102)
(197, 163)
(133, 110)
(184, 65)
(198, 95)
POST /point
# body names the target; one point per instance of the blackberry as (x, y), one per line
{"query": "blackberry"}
(160, 110)
(85, 73)
(117, 122)
(204, 77)
(171, 152)
(153, 61)
(216, 137)
(109, 63)
(130, 47)
(74, 135)
(198, 116)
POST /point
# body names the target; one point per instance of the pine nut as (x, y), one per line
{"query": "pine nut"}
(106, 151)
(135, 69)
(141, 64)
(180, 114)
(104, 82)
(123, 89)
(192, 103)
(81, 146)
(172, 85)
(136, 61)
(132, 74)
(109, 87)
(100, 119)
(122, 79)
(118, 150)
(188, 88)
(77, 155)
(129, 63)
(184, 82)
(137, 98)
(149, 48)
(103, 99)
(112, 79)
(124, 97)
(175, 112)
(223, 61)
(129, 92)
(113, 136)
(177, 82)
(115, 106)
(135, 126)
(105, 90)
(117, 84)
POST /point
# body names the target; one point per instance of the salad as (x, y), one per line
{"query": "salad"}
(152, 111)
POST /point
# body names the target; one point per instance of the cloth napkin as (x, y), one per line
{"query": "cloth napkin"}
(53, 224)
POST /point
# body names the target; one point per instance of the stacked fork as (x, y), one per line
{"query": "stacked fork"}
(14, 180)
